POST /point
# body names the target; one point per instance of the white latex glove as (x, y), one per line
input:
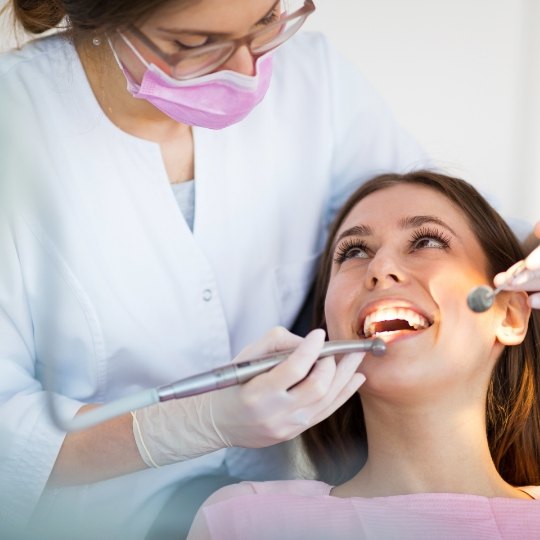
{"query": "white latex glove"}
(273, 407)
(529, 280)
(280, 404)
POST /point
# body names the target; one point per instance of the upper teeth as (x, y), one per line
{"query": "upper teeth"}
(414, 319)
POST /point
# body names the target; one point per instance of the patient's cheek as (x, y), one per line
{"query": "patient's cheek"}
(336, 317)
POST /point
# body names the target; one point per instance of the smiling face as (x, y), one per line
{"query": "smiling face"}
(405, 259)
(409, 247)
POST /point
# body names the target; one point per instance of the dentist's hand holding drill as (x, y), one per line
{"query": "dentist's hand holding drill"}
(527, 280)
(273, 407)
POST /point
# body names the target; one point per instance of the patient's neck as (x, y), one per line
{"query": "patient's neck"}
(426, 448)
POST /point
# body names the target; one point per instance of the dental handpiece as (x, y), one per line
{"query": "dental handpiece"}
(241, 372)
(481, 298)
(221, 377)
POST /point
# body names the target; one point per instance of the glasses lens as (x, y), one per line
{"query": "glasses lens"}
(275, 35)
(197, 63)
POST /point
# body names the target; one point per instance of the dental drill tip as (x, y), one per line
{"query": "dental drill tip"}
(480, 299)
(378, 347)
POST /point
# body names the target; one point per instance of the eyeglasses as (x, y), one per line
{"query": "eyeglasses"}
(206, 58)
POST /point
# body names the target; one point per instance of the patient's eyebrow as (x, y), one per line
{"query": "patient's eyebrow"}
(357, 230)
(405, 223)
(417, 221)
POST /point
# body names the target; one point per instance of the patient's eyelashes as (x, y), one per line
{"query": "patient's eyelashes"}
(351, 248)
(427, 237)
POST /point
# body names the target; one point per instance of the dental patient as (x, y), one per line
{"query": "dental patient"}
(443, 438)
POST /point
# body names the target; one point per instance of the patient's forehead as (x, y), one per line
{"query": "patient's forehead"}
(389, 206)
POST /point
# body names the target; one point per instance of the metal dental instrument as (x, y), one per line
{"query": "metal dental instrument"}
(241, 372)
(220, 377)
(481, 298)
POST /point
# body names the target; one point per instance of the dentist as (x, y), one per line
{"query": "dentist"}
(167, 178)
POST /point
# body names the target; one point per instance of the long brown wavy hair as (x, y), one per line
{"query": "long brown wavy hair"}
(337, 447)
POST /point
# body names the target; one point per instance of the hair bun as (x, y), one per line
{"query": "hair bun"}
(37, 16)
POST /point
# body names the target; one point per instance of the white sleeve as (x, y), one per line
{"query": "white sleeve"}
(29, 442)
(367, 140)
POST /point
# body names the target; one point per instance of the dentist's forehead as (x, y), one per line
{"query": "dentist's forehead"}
(215, 16)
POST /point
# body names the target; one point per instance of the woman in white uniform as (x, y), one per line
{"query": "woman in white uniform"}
(178, 174)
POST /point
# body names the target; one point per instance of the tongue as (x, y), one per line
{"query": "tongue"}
(392, 326)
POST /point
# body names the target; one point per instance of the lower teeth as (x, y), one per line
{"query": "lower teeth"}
(388, 332)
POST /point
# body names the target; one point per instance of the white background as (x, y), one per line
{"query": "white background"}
(462, 75)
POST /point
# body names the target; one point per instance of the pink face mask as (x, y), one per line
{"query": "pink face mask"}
(213, 101)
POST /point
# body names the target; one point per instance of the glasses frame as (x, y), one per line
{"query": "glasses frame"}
(172, 60)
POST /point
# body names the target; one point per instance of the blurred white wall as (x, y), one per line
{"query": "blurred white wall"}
(462, 75)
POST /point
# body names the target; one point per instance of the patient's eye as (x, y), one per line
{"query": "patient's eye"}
(351, 248)
(426, 237)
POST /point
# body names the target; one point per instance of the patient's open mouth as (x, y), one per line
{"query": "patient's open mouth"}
(387, 321)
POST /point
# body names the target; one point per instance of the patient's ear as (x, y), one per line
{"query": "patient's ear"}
(516, 311)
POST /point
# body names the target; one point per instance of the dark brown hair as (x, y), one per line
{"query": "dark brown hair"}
(37, 16)
(338, 446)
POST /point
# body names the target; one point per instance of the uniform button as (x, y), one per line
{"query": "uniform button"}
(207, 295)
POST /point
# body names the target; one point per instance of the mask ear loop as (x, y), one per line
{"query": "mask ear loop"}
(132, 49)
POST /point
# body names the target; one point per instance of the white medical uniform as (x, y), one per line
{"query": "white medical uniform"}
(101, 278)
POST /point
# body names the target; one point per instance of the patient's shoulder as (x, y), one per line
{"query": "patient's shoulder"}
(218, 511)
(230, 492)
(280, 487)
(292, 487)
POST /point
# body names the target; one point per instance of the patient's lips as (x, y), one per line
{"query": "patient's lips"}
(390, 319)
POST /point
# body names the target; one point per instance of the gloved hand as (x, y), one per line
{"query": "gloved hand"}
(529, 280)
(273, 407)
